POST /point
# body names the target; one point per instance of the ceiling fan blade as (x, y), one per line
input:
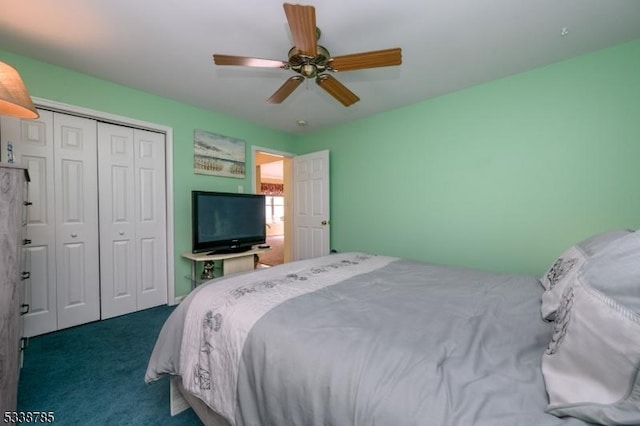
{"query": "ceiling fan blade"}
(286, 89)
(336, 89)
(373, 59)
(248, 62)
(302, 21)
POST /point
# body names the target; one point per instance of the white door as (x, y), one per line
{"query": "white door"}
(76, 200)
(117, 220)
(32, 142)
(151, 218)
(311, 205)
(132, 190)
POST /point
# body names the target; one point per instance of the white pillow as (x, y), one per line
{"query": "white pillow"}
(567, 265)
(598, 242)
(591, 366)
(557, 278)
(615, 271)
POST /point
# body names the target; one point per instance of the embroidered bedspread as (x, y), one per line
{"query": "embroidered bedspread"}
(220, 318)
(355, 339)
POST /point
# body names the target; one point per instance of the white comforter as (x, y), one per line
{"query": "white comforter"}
(217, 324)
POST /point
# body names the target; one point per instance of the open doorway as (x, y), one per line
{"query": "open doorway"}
(272, 179)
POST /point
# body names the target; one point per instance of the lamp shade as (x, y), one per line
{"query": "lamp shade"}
(14, 98)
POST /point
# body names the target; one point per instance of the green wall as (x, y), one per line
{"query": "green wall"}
(502, 176)
(62, 85)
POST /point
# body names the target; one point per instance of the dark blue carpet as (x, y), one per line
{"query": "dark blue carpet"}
(94, 374)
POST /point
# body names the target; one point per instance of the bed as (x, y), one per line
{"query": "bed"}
(362, 339)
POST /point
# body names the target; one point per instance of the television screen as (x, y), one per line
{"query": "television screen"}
(227, 222)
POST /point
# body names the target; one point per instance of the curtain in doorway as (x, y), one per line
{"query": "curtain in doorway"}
(272, 188)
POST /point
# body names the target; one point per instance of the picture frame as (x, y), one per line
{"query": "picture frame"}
(218, 155)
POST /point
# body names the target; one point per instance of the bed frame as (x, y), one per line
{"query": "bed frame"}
(181, 400)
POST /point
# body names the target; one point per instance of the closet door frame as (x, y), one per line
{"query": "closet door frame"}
(131, 122)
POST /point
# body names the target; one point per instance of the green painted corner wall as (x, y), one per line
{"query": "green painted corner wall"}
(62, 85)
(502, 176)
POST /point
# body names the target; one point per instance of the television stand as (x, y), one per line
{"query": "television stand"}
(240, 249)
(231, 262)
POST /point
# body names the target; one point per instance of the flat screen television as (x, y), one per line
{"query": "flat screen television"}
(227, 222)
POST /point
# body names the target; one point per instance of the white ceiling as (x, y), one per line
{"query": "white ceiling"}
(165, 47)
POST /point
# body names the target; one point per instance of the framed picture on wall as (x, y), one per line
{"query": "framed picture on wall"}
(218, 155)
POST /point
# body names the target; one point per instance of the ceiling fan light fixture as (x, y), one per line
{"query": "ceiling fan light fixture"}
(308, 66)
(308, 70)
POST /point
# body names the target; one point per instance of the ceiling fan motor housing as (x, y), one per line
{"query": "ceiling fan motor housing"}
(309, 66)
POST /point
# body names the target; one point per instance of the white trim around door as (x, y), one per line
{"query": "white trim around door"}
(254, 150)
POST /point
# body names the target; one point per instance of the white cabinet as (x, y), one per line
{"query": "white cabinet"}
(66, 155)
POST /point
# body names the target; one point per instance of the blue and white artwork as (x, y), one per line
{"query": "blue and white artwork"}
(218, 155)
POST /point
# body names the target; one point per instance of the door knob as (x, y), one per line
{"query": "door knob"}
(324, 222)
(73, 235)
(121, 232)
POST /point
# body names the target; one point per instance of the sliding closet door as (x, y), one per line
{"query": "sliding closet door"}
(75, 181)
(132, 219)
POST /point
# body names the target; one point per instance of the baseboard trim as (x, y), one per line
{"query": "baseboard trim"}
(177, 300)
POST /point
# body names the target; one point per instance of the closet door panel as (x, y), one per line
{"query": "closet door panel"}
(150, 218)
(75, 180)
(40, 290)
(72, 273)
(39, 256)
(117, 220)
(34, 148)
(83, 260)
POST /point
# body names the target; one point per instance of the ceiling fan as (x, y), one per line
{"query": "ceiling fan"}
(310, 60)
